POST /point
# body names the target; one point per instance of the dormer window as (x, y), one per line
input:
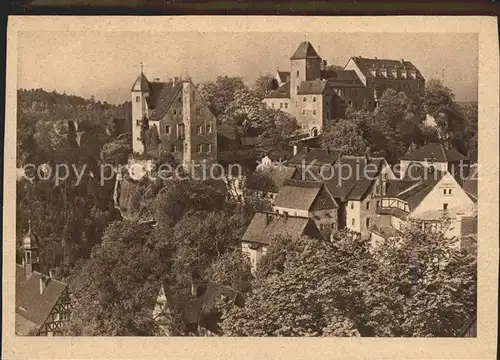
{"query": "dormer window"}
(404, 73)
(373, 72)
(394, 73)
(413, 74)
(384, 72)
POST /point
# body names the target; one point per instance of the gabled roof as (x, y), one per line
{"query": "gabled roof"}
(365, 64)
(319, 156)
(283, 92)
(341, 78)
(265, 227)
(312, 87)
(165, 99)
(305, 51)
(30, 304)
(142, 82)
(353, 177)
(413, 191)
(436, 151)
(298, 195)
(284, 76)
(470, 184)
(278, 174)
(199, 309)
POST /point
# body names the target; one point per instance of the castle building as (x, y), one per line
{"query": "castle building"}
(314, 93)
(181, 121)
(42, 303)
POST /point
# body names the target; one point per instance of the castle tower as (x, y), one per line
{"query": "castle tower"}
(30, 252)
(305, 65)
(186, 120)
(140, 91)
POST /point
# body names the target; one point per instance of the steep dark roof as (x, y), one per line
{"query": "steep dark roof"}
(283, 92)
(305, 51)
(32, 305)
(298, 195)
(413, 191)
(278, 174)
(318, 156)
(155, 89)
(264, 227)
(470, 184)
(284, 76)
(341, 78)
(165, 98)
(365, 64)
(143, 81)
(199, 309)
(312, 87)
(436, 151)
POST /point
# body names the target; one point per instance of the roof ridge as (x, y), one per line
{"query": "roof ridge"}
(443, 151)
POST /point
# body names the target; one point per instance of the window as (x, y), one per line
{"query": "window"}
(137, 98)
(194, 96)
(209, 128)
(198, 148)
(304, 99)
(198, 130)
(28, 256)
(368, 223)
(353, 221)
(314, 112)
(449, 191)
(281, 105)
(368, 205)
(208, 147)
(173, 148)
(167, 129)
(175, 111)
(198, 111)
(303, 112)
(286, 105)
(445, 206)
(297, 72)
(378, 204)
(138, 122)
(352, 205)
(272, 105)
(314, 98)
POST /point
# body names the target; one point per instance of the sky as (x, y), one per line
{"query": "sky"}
(106, 64)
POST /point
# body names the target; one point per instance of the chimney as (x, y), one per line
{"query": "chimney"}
(403, 61)
(43, 283)
(295, 149)
(268, 218)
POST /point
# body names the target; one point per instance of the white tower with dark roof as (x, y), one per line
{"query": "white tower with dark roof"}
(305, 64)
(140, 91)
(30, 252)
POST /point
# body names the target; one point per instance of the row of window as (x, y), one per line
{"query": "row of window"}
(199, 129)
(199, 148)
(367, 205)
(304, 112)
(282, 105)
(368, 222)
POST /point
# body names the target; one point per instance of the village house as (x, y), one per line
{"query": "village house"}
(314, 93)
(42, 303)
(354, 182)
(201, 316)
(425, 203)
(265, 227)
(437, 155)
(179, 122)
(308, 199)
(268, 180)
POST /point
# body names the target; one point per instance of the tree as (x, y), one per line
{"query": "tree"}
(274, 127)
(346, 136)
(263, 84)
(115, 290)
(220, 94)
(116, 152)
(294, 302)
(232, 269)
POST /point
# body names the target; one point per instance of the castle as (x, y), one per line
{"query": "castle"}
(175, 112)
(314, 93)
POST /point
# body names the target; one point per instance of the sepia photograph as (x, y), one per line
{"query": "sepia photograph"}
(248, 183)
